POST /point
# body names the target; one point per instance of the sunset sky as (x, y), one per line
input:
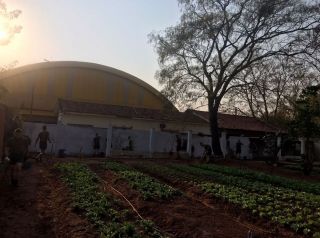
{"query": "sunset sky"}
(108, 32)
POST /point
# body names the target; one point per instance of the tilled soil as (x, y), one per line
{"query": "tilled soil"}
(39, 207)
(260, 227)
(206, 216)
(184, 216)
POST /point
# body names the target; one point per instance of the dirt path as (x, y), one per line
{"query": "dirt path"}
(19, 214)
(39, 207)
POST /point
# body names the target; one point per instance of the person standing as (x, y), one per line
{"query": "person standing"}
(43, 138)
(96, 144)
(178, 145)
(238, 149)
(207, 152)
(16, 149)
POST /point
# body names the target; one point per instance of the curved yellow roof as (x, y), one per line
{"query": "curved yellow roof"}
(37, 87)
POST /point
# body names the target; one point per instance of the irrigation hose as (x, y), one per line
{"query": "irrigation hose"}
(131, 205)
(250, 227)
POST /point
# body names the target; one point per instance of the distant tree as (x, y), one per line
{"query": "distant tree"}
(7, 26)
(201, 58)
(10, 30)
(271, 88)
(306, 123)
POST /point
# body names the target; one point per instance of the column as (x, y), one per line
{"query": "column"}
(109, 141)
(189, 144)
(279, 147)
(151, 138)
(303, 146)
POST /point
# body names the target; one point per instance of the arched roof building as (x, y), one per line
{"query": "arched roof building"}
(35, 89)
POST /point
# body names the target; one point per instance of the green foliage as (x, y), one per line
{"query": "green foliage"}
(307, 113)
(265, 196)
(147, 186)
(263, 177)
(100, 209)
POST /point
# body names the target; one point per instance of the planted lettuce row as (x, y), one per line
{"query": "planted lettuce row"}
(298, 216)
(259, 176)
(147, 186)
(298, 210)
(287, 195)
(100, 209)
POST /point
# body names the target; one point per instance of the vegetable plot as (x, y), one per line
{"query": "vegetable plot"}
(298, 210)
(149, 187)
(101, 209)
(259, 176)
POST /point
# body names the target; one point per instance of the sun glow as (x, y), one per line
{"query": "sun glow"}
(3, 35)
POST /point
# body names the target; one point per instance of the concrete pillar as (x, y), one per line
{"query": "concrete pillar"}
(303, 146)
(189, 144)
(279, 146)
(151, 138)
(109, 141)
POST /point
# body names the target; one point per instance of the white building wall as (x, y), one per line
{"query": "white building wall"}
(136, 124)
(164, 142)
(139, 138)
(73, 139)
(75, 133)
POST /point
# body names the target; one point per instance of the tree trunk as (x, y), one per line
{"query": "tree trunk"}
(215, 135)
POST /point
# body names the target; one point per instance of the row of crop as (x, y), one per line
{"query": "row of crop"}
(101, 209)
(262, 177)
(297, 216)
(149, 187)
(280, 193)
(164, 171)
(298, 210)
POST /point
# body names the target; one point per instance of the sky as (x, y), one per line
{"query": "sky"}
(108, 32)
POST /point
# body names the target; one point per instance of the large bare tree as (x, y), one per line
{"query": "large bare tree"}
(271, 88)
(203, 55)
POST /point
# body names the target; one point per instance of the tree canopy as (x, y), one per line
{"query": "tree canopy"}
(306, 122)
(202, 57)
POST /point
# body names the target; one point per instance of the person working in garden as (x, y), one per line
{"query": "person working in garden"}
(16, 149)
(43, 138)
(238, 149)
(207, 152)
(96, 144)
(178, 145)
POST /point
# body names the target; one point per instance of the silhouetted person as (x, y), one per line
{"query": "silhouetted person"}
(130, 143)
(43, 138)
(238, 149)
(192, 151)
(207, 152)
(16, 149)
(178, 145)
(96, 144)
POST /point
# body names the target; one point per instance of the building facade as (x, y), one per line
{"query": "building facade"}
(77, 100)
